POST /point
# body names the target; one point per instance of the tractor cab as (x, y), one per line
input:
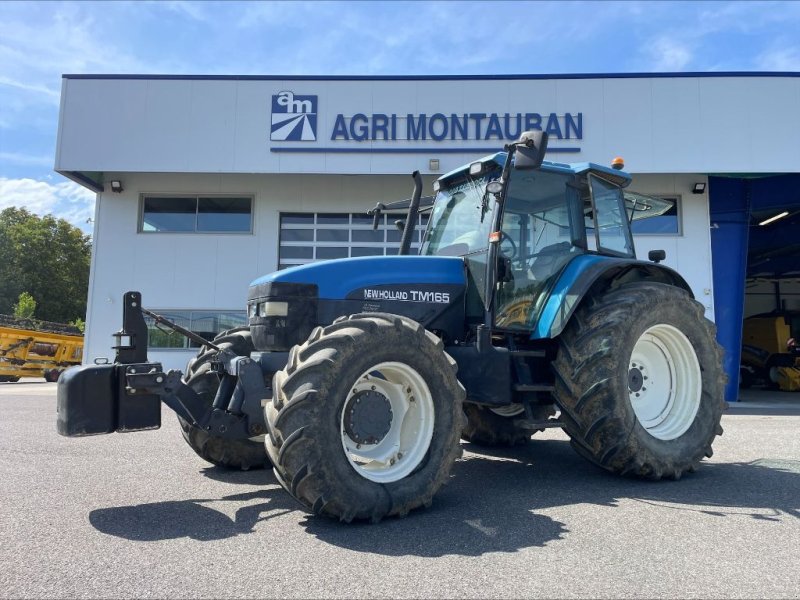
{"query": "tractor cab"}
(538, 218)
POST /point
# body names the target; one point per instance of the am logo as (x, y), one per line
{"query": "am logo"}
(294, 118)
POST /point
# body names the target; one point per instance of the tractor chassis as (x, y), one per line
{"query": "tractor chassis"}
(125, 396)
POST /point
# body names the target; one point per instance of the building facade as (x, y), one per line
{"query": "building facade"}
(218, 180)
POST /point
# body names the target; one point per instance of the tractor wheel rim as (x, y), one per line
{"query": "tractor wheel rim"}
(512, 410)
(664, 382)
(400, 402)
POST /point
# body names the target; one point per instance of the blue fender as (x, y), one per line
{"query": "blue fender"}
(578, 277)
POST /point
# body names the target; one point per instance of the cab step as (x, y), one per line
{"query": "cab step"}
(524, 387)
(536, 425)
(528, 353)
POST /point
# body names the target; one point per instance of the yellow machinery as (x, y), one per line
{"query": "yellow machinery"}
(37, 348)
(765, 357)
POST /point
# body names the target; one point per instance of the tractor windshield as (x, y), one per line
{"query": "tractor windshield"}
(460, 221)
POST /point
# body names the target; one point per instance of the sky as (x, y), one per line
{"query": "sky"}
(41, 41)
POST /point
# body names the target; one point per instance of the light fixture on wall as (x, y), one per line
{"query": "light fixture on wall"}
(116, 186)
(699, 188)
(433, 164)
(774, 218)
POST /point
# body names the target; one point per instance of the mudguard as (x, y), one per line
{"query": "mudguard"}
(583, 272)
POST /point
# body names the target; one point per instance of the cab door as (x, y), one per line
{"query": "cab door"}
(609, 223)
(540, 234)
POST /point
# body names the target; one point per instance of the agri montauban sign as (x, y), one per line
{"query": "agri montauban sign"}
(294, 119)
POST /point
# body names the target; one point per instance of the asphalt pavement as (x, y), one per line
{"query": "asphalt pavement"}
(140, 515)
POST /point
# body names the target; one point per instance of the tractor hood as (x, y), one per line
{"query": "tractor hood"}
(338, 279)
(285, 306)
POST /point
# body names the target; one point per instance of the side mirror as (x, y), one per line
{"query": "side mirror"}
(656, 256)
(531, 148)
(494, 187)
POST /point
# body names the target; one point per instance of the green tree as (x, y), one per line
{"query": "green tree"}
(80, 324)
(49, 259)
(25, 307)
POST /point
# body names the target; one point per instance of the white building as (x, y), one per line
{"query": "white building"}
(224, 179)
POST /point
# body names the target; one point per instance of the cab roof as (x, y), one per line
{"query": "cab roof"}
(620, 178)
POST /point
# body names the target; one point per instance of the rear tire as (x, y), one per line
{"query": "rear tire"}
(639, 381)
(223, 452)
(387, 456)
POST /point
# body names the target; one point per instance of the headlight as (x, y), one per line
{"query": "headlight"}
(273, 309)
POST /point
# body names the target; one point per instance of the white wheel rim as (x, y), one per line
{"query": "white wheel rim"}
(405, 445)
(664, 382)
(512, 410)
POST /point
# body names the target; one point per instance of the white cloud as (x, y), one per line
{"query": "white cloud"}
(408, 38)
(193, 10)
(271, 14)
(49, 94)
(785, 58)
(743, 17)
(712, 36)
(65, 200)
(41, 42)
(669, 55)
(17, 158)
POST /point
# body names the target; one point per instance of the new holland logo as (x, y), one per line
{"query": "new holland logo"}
(294, 118)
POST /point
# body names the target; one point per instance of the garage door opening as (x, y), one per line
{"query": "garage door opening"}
(755, 240)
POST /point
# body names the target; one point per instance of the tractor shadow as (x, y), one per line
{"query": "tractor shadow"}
(194, 518)
(494, 502)
(550, 474)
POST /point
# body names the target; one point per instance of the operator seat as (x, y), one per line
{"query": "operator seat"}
(544, 262)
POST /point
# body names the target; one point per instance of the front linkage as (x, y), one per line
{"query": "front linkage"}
(126, 395)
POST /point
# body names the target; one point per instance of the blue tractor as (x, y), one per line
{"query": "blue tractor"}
(526, 308)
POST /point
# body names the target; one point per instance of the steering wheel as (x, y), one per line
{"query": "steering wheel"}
(504, 237)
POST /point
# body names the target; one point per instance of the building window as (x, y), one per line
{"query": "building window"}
(196, 214)
(309, 237)
(206, 323)
(667, 224)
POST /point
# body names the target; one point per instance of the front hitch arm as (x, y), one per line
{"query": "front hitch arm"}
(232, 414)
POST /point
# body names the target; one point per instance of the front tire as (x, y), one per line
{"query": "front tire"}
(223, 452)
(639, 381)
(365, 418)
